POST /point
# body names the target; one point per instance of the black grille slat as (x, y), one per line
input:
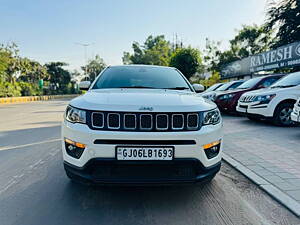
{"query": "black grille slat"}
(192, 121)
(98, 120)
(113, 120)
(162, 122)
(144, 122)
(178, 121)
(130, 121)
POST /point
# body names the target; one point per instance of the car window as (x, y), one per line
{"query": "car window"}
(214, 87)
(250, 83)
(269, 81)
(141, 77)
(235, 85)
(290, 80)
(224, 87)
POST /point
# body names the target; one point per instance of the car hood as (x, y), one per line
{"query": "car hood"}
(211, 93)
(142, 100)
(237, 91)
(268, 91)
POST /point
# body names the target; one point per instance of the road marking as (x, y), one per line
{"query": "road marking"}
(31, 144)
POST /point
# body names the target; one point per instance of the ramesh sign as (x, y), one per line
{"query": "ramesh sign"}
(284, 56)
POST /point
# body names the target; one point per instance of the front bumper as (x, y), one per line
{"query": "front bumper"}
(228, 105)
(102, 144)
(111, 171)
(255, 109)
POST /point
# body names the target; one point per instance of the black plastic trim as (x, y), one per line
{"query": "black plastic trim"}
(143, 142)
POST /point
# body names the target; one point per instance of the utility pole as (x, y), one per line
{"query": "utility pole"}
(85, 45)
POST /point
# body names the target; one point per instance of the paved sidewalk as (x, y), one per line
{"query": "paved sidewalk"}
(272, 153)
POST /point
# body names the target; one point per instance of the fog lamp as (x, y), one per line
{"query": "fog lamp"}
(212, 149)
(74, 149)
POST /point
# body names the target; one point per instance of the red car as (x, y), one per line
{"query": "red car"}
(227, 101)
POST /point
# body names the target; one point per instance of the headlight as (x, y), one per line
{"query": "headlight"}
(74, 115)
(210, 97)
(228, 96)
(264, 99)
(211, 117)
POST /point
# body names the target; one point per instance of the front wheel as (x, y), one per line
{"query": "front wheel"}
(282, 115)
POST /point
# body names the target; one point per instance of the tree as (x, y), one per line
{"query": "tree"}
(155, 51)
(32, 71)
(4, 60)
(94, 67)
(187, 60)
(248, 41)
(59, 77)
(215, 78)
(10, 61)
(211, 55)
(284, 16)
(251, 40)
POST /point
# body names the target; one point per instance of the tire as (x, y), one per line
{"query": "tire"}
(253, 118)
(282, 115)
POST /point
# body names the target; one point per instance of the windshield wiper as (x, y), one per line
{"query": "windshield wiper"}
(178, 88)
(284, 86)
(138, 87)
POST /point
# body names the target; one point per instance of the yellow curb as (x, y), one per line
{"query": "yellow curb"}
(10, 100)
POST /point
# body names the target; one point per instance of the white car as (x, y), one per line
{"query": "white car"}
(275, 103)
(141, 125)
(211, 95)
(295, 116)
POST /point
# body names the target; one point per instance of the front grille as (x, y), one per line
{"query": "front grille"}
(247, 98)
(299, 103)
(135, 121)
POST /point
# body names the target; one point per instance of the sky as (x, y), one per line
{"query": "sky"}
(51, 30)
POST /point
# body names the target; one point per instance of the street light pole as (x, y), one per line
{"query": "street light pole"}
(85, 45)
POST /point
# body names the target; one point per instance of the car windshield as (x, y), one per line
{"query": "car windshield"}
(141, 77)
(230, 85)
(214, 87)
(290, 80)
(250, 83)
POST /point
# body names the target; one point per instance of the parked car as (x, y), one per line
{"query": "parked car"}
(213, 87)
(226, 86)
(275, 103)
(295, 115)
(228, 101)
(141, 124)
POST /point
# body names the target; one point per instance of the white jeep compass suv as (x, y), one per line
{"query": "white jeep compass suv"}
(275, 103)
(141, 125)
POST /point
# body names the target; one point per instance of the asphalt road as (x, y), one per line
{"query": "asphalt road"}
(34, 189)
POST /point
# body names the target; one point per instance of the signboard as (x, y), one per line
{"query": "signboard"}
(284, 56)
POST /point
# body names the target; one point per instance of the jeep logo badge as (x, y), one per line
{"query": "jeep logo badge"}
(146, 108)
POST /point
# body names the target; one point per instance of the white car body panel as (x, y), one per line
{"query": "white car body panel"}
(295, 116)
(282, 94)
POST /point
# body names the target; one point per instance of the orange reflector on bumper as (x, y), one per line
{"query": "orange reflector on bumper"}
(77, 144)
(212, 144)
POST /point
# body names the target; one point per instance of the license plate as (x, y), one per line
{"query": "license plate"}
(144, 153)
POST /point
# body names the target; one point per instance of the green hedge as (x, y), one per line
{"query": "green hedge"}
(18, 89)
(21, 88)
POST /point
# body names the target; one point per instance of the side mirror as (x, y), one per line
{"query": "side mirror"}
(261, 86)
(84, 85)
(198, 88)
